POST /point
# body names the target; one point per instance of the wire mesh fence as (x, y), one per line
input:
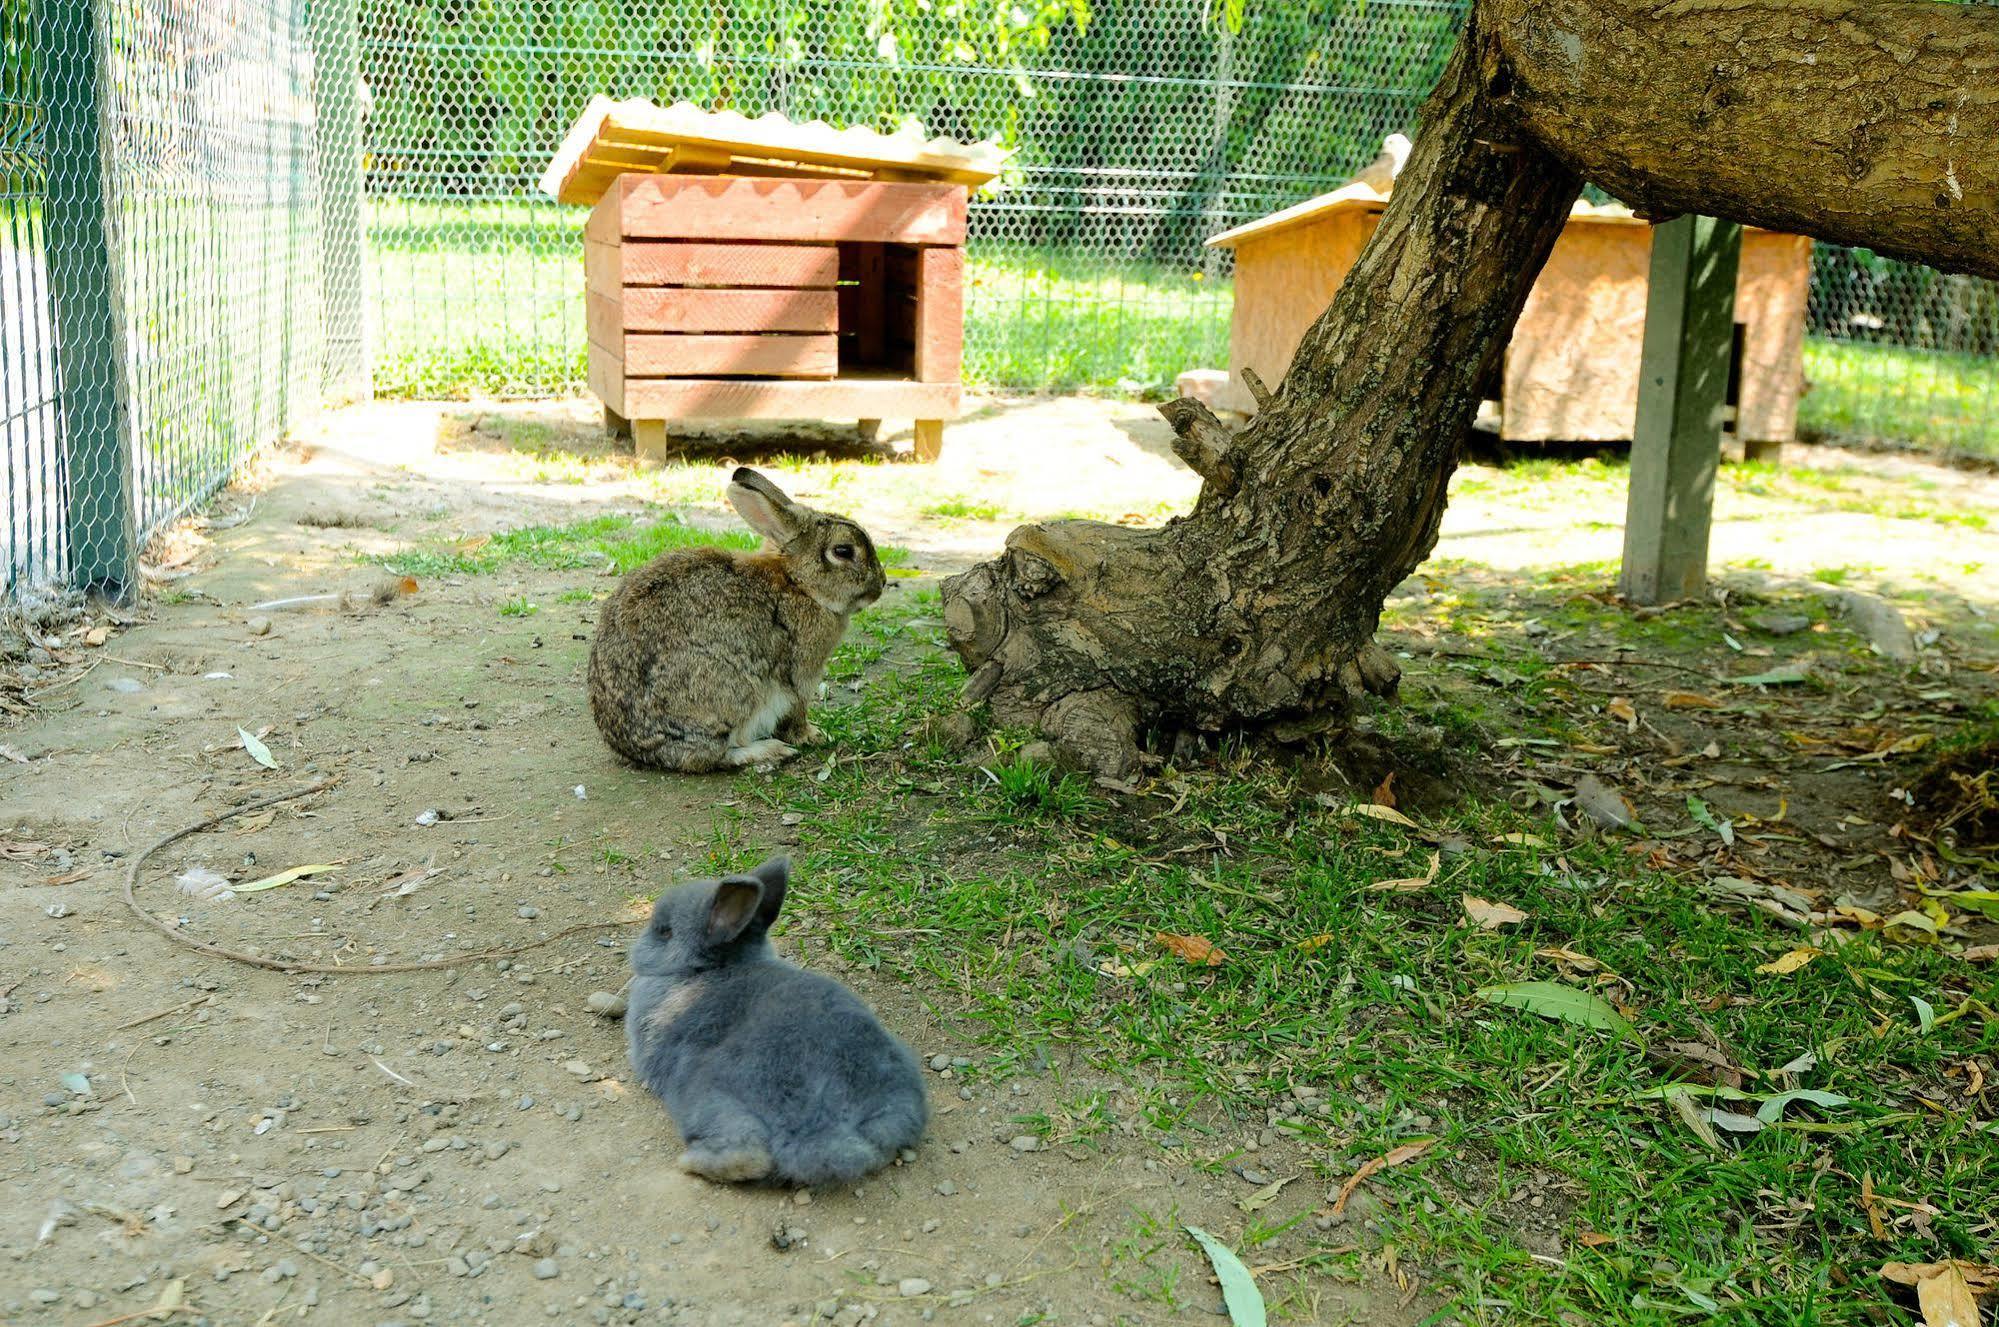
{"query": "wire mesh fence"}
(1140, 127)
(159, 211)
(227, 211)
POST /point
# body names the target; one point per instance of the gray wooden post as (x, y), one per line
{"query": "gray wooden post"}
(336, 41)
(1682, 396)
(78, 225)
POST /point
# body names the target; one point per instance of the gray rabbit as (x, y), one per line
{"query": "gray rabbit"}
(769, 1071)
(706, 658)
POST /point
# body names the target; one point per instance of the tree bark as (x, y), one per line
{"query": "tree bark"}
(1871, 123)
(1865, 122)
(1259, 609)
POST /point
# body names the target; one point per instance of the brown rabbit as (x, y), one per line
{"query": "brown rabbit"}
(705, 658)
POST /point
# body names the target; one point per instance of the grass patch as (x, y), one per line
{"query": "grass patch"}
(1347, 1020)
(965, 509)
(1870, 393)
(622, 542)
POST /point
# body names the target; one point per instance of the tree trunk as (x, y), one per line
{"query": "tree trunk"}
(1866, 122)
(1258, 610)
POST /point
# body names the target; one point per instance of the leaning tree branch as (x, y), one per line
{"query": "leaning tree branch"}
(1258, 610)
(1865, 122)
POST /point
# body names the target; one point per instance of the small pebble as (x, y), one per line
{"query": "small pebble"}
(605, 1005)
(259, 626)
(912, 1286)
(1026, 1142)
(546, 1270)
(940, 1063)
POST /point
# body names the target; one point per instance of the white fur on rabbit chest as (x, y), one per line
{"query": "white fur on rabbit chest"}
(777, 702)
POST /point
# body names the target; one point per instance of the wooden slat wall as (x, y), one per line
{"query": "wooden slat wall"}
(698, 207)
(779, 398)
(745, 266)
(673, 309)
(726, 298)
(940, 314)
(648, 355)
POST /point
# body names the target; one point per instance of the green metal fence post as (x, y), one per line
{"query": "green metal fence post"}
(1682, 394)
(83, 292)
(336, 40)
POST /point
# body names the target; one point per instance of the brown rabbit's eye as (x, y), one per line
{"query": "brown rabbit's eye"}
(844, 552)
(663, 931)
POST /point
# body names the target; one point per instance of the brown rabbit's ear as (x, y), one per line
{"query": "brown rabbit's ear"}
(736, 901)
(764, 506)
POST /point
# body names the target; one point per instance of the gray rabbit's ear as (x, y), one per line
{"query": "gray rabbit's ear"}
(774, 875)
(764, 506)
(735, 903)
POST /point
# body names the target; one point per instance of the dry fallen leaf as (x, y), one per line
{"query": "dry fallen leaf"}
(1982, 1278)
(1980, 954)
(1193, 948)
(1384, 792)
(1262, 1197)
(1790, 961)
(1945, 1299)
(1698, 1060)
(1490, 916)
(1622, 710)
(1406, 1152)
(1319, 941)
(1409, 883)
(1689, 700)
(1571, 958)
(1388, 813)
(1592, 1240)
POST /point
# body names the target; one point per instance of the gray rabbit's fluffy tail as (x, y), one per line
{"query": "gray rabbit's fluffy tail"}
(845, 1155)
(838, 1159)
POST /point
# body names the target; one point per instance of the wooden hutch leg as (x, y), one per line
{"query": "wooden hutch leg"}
(649, 441)
(869, 429)
(929, 439)
(616, 424)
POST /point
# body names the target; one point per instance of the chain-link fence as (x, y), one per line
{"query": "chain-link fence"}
(226, 211)
(159, 226)
(1141, 127)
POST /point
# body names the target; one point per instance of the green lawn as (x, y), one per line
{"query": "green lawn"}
(1557, 1179)
(488, 299)
(1945, 402)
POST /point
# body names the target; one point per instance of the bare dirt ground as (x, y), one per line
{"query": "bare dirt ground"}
(464, 1145)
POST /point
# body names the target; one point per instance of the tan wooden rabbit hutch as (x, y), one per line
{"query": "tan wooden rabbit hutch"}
(1571, 368)
(761, 269)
